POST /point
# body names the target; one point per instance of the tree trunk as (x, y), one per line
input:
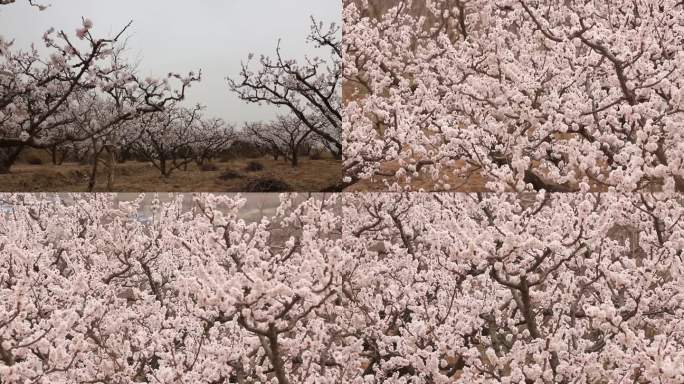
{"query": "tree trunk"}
(111, 164)
(276, 358)
(162, 167)
(53, 153)
(123, 155)
(60, 160)
(93, 172)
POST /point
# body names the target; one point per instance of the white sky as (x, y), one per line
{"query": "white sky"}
(182, 36)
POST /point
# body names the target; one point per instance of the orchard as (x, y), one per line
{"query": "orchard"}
(81, 99)
(529, 95)
(376, 288)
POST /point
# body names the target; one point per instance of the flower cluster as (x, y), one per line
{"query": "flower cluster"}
(529, 95)
(374, 288)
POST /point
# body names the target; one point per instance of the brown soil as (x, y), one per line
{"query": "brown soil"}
(311, 175)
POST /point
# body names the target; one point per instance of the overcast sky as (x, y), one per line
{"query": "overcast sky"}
(182, 36)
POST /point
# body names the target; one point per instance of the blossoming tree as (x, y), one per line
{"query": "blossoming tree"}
(284, 136)
(309, 89)
(42, 100)
(530, 95)
(376, 288)
(173, 138)
(92, 289)
(519, 289)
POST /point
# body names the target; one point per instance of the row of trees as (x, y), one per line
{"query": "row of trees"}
(287, 137)
(84, 98)
(532, 95)
(372, 288)
(169, 139)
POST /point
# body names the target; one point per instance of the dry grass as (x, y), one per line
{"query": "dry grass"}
(311, 175)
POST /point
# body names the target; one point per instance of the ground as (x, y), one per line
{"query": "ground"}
(311, 175)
